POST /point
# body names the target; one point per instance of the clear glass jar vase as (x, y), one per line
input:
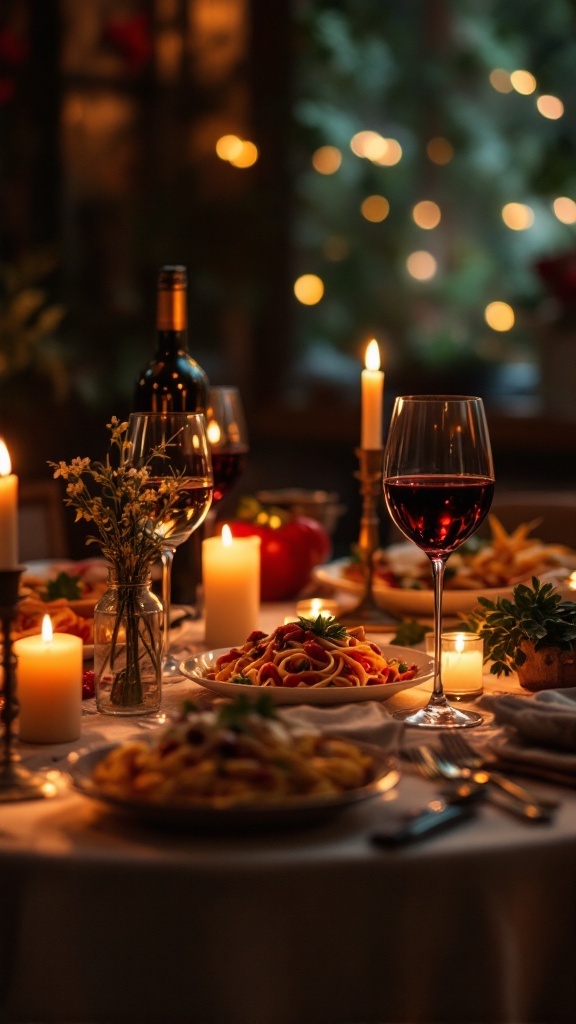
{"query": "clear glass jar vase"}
(128, 648)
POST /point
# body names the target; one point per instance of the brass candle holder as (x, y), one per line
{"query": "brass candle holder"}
(367, 613)
(16, 781)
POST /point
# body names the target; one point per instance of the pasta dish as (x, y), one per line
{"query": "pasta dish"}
(239, 754)
(310, 654)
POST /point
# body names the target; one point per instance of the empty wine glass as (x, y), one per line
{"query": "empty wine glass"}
(228, 437)
(187, 453)
(438, 485)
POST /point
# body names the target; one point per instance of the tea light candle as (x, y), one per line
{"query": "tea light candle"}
(372, 392)
(462, 659)
(8, 512)
(49, 674)
(315, 606)
(231, 576)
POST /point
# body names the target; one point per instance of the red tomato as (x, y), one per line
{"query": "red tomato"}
(288, 554)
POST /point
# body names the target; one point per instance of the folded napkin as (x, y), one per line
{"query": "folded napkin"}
(365, 721)
(539, 732)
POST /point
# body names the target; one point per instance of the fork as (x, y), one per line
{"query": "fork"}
(433, 765)
(427, 762)
(464, 756)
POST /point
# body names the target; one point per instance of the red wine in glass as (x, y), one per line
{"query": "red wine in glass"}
(227, 465)
(438, 513)
(438, 484)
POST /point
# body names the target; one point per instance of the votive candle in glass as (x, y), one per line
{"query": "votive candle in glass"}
(462, 660)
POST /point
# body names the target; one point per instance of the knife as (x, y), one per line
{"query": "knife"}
(434, 817)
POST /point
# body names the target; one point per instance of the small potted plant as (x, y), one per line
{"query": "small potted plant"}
(534, 634)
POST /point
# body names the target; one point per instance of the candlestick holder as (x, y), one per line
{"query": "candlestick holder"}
(16, 781)
(367, 613)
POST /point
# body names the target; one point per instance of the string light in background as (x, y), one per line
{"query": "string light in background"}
(375, 208)
(236, 151)
(421, 265)
(500, 80)
(523, 82)
(518, 216)
(550, 107)
(439, 150)
(499, 316)
(326, 159)
(309, 289)
(565, 209)
(371, 146)
(427, 214)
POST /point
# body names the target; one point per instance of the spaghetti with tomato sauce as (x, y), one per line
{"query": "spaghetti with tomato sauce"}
(312, 655)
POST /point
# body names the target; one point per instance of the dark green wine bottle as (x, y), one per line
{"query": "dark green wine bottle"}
(172, 381)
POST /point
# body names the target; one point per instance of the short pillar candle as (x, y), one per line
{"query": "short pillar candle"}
(49, 674)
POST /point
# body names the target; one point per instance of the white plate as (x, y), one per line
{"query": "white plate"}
(299, 810)
(405, 602)
(195, 668)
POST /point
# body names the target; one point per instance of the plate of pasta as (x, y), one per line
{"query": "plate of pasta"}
(310, 662)
(236, 766)
(402, 580)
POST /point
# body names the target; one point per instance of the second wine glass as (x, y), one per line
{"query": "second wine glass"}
(228, 437)
(182, 436)
(438, 486)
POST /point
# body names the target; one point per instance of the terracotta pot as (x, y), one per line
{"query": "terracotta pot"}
(548, 668)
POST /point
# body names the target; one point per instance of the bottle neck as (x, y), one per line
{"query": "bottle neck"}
(171, 317)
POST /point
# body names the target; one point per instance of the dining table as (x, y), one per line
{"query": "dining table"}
(107, 918)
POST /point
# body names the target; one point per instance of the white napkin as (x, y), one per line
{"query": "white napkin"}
(364, 721)
(540, 732)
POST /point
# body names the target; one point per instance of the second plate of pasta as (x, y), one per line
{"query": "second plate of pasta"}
(198, 667)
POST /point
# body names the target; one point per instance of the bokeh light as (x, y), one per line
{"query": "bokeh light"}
(565, 209)
(361, 140)
(392, 154)
(247, 156)
(523, 82)
(499, 316)
(421, 265)
(426, 214)
(375, 208)
(228, 147)
(439, 150)
(500, 80)
(326, 159)
(550, 107)
(518, 216)
(309, 289)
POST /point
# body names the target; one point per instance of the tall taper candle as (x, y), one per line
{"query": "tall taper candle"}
(372, 392)
(8, 512)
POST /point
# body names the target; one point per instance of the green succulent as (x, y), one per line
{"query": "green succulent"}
(536, 615)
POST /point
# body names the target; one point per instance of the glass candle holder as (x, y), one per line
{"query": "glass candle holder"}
(462, 660)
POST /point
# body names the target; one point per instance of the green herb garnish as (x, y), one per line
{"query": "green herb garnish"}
(63, 586)
(323, 625)
(244, 680)
(409, 633)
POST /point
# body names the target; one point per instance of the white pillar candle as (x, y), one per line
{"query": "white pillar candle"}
(372, 393)
(49, 686)
(231, 578)
(462, 660)
(8, 512)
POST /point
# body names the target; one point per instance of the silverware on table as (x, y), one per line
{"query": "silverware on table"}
(435, 816)
(433, 765)
(465, 757)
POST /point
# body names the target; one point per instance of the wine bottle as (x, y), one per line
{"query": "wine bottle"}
(172, 381)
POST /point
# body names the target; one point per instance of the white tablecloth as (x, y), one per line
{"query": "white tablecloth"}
(107, 921)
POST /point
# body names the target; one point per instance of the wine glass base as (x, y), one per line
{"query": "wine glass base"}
(441, 716)
(17, 783)
(171, 670)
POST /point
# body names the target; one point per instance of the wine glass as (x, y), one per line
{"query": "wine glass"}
(228, 437)
(438, 486)
(187, 453)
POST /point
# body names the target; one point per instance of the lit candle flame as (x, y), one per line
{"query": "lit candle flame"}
(572, 580)
(226, 536)
(213, 432)
(5, 464)
(459, 643)
(372, 360)
(47, 631)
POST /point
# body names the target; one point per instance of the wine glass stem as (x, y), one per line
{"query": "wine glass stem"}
(167, 557)
(438, 567)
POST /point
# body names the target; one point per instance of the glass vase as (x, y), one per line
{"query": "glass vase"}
(128, 648)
